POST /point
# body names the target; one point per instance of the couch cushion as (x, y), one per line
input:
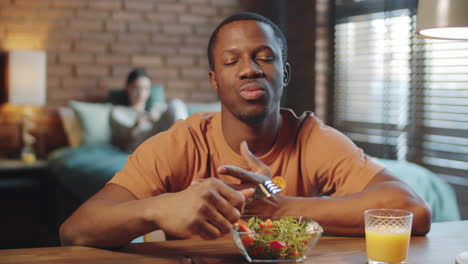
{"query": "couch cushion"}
(94, 121)
(84, 170)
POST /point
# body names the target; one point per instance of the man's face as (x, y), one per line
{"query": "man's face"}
(248, 70)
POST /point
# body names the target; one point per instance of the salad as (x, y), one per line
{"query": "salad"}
(287, 238)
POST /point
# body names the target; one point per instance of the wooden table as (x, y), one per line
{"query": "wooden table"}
(441, 245)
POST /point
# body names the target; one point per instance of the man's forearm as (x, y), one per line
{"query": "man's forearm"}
(101, 223)
(344, 215)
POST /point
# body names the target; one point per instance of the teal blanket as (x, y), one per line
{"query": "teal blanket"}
(438, 193)
(84, 170)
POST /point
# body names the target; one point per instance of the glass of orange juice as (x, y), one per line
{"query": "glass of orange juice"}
(388, 233)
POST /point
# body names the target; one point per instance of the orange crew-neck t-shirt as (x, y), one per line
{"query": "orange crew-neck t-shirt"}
(314, 159)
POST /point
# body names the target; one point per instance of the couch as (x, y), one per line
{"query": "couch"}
(83, 169)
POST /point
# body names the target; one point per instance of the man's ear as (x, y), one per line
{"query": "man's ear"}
(214, 83)
(286, 74)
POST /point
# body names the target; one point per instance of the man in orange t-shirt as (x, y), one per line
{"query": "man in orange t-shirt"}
(248, 142)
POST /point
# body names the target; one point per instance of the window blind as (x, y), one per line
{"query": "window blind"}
(398, 96)
(443, 80)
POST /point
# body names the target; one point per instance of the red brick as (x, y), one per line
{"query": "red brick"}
(59, 35)
(53, 82)
(204, 30)
(32, 3)
(144, 27)
(194, 73)
(181, 94)
(162, 73)
(59, 70)
(109, 83)
(142, 5)
(55, 14)
(186, 85)
(196, 41)
(224, 3)
(203, 10)
(127, 16)
(63, 46)
(63, 96)
(173, 8)
(156, 49)
(120, 71)
(91, 70)
(133, 37)
(182, 60)
(93, 14)
(105, 4)
(27, 29)
(112, 59)
(192, 19)
(70, 84)
(146, 60)
(70, 3)
(192, 51)
(75, 58)
(97, 37)
(196, 1)
(205, 85)
(52, 58)
(227, 11)
(203, 62)
(94, 47)
(177, 29)
(162, 18)
(4, 3)
(14, 13)
(167, 39)
(86, 25)
(125, 48)
(114, 26)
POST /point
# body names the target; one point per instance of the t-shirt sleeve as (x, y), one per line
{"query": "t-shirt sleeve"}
(342, 168)
(154, 167)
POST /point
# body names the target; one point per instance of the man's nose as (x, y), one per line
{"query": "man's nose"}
(250, 69)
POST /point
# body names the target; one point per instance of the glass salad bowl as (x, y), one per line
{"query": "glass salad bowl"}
(287, 239)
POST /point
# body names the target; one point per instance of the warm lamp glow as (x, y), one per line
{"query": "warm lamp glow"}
(442, 19)
(27, 77)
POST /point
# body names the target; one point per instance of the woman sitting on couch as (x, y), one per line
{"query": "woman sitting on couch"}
(133, 124)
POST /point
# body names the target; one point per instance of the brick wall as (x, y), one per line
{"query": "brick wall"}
(92, 45)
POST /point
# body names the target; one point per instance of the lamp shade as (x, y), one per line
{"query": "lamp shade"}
(27, 77)
(442, 19)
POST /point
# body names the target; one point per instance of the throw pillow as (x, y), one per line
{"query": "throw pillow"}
(94, 121)
(71, 125)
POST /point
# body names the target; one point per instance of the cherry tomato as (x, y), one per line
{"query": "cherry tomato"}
(277, 245)
(267, 224)
(248, 240)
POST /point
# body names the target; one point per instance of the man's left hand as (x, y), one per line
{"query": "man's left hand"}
(258, 173)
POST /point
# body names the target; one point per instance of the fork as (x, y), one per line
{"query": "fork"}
(264, 190)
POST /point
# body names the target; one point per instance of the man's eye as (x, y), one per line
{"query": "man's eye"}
(231, 62)
(267, 59)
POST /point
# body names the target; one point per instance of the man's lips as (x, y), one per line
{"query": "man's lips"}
(252, 91)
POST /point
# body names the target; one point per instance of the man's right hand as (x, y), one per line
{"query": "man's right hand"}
(208, 209)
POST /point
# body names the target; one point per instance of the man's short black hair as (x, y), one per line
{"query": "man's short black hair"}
(248, 16)
(135, 74)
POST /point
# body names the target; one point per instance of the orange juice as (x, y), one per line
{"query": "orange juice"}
(387, 246)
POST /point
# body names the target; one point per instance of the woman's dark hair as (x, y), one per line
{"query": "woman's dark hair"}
(248, 16)
(135, 74)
